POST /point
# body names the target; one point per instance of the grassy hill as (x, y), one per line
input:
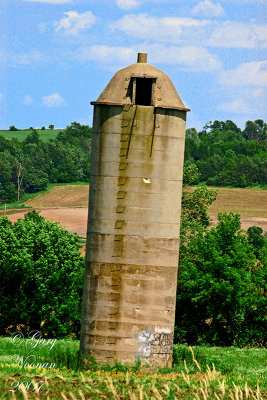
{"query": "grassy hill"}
(45, 134)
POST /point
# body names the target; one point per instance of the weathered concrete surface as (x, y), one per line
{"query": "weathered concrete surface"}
(118, 90)
(133, 226)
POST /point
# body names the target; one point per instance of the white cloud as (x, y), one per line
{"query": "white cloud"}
(51, 1)
(53, 100)
(155, 28)
(247, 74)
(194, 31)
(239, 35)
(1, 97)
(27, 100)
(242, 102)
(107, 54)
(241, 2)
(193, 58)
(127, 4)
(236, 106)
(258, 92)
(207, 8)
(32, 58)
(74, 22)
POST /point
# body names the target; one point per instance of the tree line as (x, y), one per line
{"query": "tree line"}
(223, 155)
(28, 166)
(219, 155)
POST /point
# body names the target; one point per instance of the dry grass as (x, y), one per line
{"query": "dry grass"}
(70, 196)
(68, 206)
(146, 384)
(246, 202)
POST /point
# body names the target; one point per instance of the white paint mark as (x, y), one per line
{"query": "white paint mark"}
(144, 338)
(159, 329)
(147, 180)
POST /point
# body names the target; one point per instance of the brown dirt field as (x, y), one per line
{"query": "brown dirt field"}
(246, 222)
(70, 196)
(67, 205)
(73, 219)
(246, 202)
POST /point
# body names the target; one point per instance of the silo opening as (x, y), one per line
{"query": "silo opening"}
(143, 93)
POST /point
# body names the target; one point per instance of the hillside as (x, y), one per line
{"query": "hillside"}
(44, 134)
(68, 205)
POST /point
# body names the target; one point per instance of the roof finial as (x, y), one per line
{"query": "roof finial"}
(142, 58)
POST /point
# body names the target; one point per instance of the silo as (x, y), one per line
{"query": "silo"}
(134, 217)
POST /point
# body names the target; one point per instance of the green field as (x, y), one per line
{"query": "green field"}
(45, 134)
(197, 373)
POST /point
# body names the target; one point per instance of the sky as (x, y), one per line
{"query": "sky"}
(58, 55)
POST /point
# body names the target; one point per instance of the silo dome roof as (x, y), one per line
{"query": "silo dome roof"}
(119, 89)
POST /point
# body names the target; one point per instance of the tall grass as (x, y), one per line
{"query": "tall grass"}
(206, 373)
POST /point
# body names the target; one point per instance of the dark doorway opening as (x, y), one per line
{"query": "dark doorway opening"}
(143, 94)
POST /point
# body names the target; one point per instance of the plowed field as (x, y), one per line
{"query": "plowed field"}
(68, 206)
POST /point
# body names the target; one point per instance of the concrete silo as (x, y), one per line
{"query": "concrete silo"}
(134, 216)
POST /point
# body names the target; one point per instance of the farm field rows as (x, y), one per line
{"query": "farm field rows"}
(246, 202)
(68, 205)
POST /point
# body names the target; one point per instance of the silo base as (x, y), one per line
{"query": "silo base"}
(129, 314)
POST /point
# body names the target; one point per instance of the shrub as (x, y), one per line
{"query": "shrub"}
(35, 181)
(220, 295)
(191, 174)
(258, 241)
(41, 269)
(13, 128)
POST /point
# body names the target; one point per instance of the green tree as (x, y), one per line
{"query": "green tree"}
(51, 127)
(35, 180)
(13, 128)
(220, 296)
(259, 242)
(256, 130)
(41, 271)
(8, 177)
(190, 174)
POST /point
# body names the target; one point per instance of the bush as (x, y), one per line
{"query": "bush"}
(35, 181)
(220, 295)
(191, 174)
(41, 270)
(8, 192)
(258, 241)
(13, 128)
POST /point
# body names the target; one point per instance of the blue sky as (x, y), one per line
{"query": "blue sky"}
(58, 55)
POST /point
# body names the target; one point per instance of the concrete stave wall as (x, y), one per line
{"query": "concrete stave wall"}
(133, 234)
